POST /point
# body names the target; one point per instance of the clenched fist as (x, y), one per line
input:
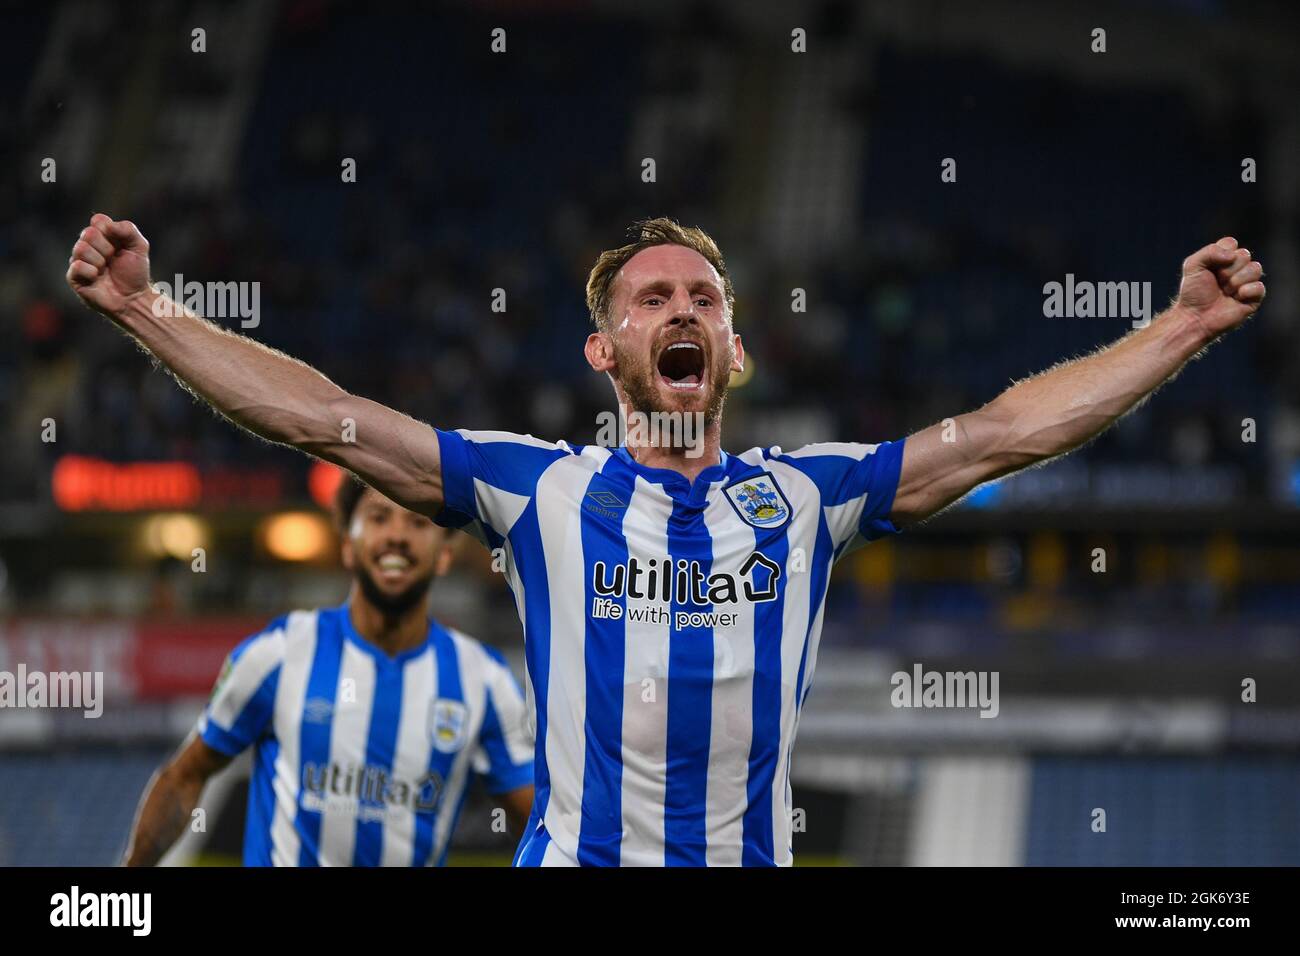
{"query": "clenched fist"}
(109, 265)
(1221, 286)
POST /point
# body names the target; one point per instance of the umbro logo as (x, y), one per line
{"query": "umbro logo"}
(317, 710)
(607, 499)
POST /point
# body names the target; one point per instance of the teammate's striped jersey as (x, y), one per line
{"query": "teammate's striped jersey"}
(671, 631)
(362, 759)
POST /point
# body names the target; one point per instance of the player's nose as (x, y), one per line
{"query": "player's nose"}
(682, 311)
(397, 538)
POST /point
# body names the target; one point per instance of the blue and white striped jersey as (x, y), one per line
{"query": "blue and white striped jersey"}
(671, 632)
(362, 759)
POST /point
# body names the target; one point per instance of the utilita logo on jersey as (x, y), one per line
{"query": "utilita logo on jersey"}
(658, 580)
(367, 791)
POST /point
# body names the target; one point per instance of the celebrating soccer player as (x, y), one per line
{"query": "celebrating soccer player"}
(671, 593)
(366, 720)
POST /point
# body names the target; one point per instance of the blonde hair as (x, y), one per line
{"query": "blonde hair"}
(650, 232)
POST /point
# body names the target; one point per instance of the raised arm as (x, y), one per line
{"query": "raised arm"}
(1056, 411)
(260, 389)
(169, 802)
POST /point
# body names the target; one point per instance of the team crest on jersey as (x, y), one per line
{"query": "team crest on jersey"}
(448, 720)
(759, 500)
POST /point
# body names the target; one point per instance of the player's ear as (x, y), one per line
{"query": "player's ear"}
(599, 351)
(446, 552)
(346, 554)
(738, 363)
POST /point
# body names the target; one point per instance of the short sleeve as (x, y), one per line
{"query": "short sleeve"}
(504, 757)
(857, 483)
(243, 700)
(488, 478)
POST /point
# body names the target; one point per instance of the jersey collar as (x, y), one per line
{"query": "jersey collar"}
(352, 634)
(677, 485)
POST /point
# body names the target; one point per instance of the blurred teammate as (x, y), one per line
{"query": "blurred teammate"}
(366, 720)
(671, 593)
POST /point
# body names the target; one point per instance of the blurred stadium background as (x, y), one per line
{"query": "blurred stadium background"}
(1120, 690)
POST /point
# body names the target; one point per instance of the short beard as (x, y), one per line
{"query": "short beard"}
(638, 384)
(393, 605)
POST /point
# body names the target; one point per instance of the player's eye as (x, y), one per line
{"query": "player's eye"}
(704, 301)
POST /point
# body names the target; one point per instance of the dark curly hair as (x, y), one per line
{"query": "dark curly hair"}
(349, 493)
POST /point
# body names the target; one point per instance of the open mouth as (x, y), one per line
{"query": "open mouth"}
(392, 564)
(681, 366)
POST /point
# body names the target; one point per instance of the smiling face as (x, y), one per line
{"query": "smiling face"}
(668, 343)
(394, 554)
